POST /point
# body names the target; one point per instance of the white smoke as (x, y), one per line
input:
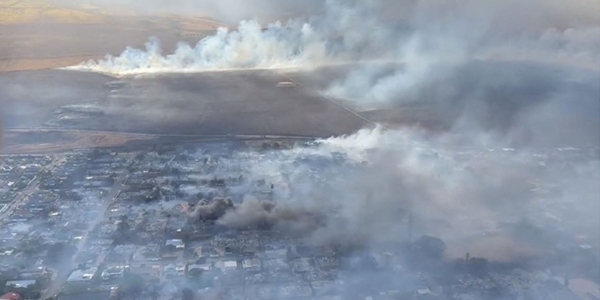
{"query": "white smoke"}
(455, 190)
(247, 47)
(341, 34)
(451, 34)
(571, 46)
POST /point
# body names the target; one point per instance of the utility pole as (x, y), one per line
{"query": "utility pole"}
(410, 227)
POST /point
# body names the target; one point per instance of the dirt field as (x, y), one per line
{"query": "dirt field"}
(35, 34)
(39, 46)
(55, 141)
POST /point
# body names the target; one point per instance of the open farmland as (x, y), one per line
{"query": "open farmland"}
(38, 34)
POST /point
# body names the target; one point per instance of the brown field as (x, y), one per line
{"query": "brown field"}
(43, 63)
(58, 141)
(35, 34)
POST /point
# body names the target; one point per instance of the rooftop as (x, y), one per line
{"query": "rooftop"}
(177, 243)
(11, 296)
(82, 275)
(20, 283)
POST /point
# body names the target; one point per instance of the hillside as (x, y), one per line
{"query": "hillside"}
(40, 34)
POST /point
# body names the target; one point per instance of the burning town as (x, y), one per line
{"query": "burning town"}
(338, 149)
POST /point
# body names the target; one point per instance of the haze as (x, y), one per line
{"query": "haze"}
(300, 150)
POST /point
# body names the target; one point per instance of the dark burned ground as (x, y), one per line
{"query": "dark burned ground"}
(248, 102)
(50, 141)
(211, 103)
(218, 103)
(29, 98)
(529, 102)
(526, 102)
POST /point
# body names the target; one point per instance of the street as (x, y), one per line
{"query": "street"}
(61, 278)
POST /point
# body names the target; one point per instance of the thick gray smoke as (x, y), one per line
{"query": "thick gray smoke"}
(262, 214)
(448, 36)
(398, 184)
(291, 218)
(213, 210)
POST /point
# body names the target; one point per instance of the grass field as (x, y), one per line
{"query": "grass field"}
(25, 11)
(38, 34)
(42, 63)
(49, 141)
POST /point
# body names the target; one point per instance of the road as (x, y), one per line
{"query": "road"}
(110, 198)
(147, 138)
(152, 135)
(330, 99)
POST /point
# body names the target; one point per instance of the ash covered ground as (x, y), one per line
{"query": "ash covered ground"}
(329, 219)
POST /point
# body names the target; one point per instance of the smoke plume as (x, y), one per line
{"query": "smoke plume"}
(396, 184)
(247, 47)
(507, 75)
(213, 210)
(347, 31)
(337, 36)
(290, 218)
